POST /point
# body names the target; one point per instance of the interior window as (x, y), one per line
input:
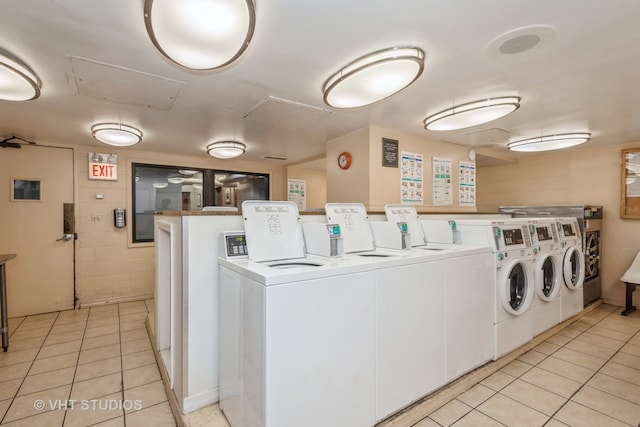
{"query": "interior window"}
(171, 188)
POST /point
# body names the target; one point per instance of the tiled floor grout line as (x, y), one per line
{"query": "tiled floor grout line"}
(547, 356)
(75, 372)
(124, 413)
(13, 399)
(80, 327)
(584, 383)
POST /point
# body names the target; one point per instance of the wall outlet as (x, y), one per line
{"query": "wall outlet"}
(96, 218)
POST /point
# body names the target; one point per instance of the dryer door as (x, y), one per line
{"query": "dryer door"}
(573, 267)
(547, 277)
(515, 287)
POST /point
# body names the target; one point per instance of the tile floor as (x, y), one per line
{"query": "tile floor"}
(84, 367)
(587, 374)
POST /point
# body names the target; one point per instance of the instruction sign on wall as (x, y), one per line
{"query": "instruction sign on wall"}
(297, 193)
(467, 187)
(442, 186)
(411, 181)
(389, 153)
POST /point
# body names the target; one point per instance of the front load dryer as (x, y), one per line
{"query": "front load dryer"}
(547, 272)
(573, 267)
(513, 285)
(297, 332)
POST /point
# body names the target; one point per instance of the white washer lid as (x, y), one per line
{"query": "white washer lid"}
(354, 225)
(273, 230)
(408, 214)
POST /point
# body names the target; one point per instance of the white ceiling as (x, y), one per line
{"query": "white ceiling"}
(97, 64)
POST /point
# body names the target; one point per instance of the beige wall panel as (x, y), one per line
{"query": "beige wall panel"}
(351, 185)
(316, 185)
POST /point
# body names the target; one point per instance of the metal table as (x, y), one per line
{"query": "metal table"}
(4, 327)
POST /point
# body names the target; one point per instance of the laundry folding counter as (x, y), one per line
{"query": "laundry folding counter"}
(4, 327)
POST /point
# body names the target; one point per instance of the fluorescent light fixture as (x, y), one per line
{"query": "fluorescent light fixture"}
(374, 77)
(549, 142)
(17, 81)
(200, 34)
(226, 149)
(472, 113)
(116, 134)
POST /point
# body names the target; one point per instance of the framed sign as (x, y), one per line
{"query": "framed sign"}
(630, 184)
(389, 153)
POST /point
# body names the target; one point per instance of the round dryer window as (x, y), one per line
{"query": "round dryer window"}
(515, 288)
(546, 278)
(573, 268)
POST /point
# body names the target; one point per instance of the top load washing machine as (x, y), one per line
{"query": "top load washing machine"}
(513, 277)
(409, 307)
(547, 271)
(295, 329)
(573, 267)
(468, 294)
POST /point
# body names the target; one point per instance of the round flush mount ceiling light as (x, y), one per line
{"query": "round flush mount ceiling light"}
(549, 142)
(17, 81)
(116, 134)
(200, 34)
(521, 42)
(226, 149)
(175, 180)
(187, 172)
(374, 77)
(472, 113)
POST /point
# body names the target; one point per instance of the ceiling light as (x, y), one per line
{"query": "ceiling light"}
(160, 185)
(472, 113)
(226, 149)
(200, 34)
(187, 172)
(175, 180)
(17, 81)
(550, 142)
(374, 77)
(116, 134)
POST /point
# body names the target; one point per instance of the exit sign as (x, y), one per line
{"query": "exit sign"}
(103, 166)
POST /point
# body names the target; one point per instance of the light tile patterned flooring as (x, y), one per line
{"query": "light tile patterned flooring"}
(84, 367)
(587, 374)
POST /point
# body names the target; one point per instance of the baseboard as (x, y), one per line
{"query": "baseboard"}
(199, 401)
(106, 301)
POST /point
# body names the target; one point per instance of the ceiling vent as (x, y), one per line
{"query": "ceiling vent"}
(284, 114)
(123, 85)
(483, 138)
(269, 157)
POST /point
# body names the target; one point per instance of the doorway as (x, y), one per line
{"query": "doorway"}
(37, 224)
